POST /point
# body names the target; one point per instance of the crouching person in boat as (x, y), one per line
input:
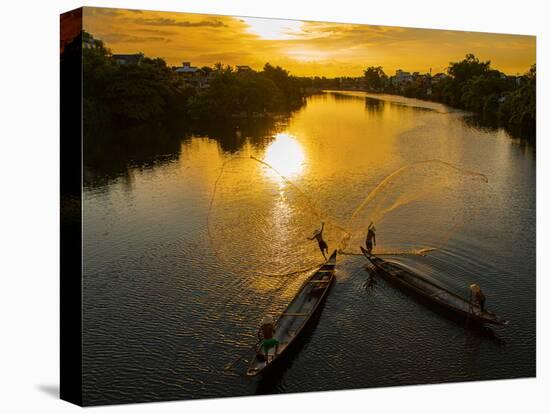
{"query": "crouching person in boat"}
(265, 336)
(318, 234)
(371, 237)
(477, 295)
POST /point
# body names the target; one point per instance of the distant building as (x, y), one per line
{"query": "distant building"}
(192, 75)
(129, 59)
(187, 70)
(243, 68)
(401, 77)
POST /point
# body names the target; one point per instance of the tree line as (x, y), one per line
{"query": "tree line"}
(472, 85)
(152, 91)
(231, 92)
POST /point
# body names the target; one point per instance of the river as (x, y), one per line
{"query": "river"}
(184, 253)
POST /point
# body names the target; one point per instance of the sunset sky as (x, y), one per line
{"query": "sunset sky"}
(305, 48)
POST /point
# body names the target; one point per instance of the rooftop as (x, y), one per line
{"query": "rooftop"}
(187, 69)
(128, 58)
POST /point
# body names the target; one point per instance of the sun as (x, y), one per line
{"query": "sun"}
(285, 155)
(273, 29)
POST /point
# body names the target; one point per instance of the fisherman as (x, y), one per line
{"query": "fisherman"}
(478, 296)
(371, 237)
(265, 336)
(318, 234)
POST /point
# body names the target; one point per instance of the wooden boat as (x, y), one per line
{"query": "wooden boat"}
(296, 316)
(432, 292)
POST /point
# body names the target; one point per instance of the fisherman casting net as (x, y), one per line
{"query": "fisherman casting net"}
(259, 222)
(417, 208)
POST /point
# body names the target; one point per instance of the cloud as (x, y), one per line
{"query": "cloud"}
(158, 32)
(310, 48)
(226, 56)
(162, 21)
(126, 38)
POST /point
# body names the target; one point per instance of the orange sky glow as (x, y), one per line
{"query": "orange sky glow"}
(304, 48)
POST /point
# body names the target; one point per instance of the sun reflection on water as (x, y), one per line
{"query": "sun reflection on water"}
(286, 155)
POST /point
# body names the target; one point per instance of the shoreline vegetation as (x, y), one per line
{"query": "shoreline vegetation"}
(494, 98)
(127, 93)
(147, 89)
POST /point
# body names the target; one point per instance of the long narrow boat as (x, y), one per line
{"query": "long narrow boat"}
(432, 292)
(296, 316)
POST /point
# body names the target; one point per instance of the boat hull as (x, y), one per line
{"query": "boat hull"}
(432, 294)
(304, 309)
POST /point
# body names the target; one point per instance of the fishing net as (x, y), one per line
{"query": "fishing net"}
(417, 208)
(259, 221)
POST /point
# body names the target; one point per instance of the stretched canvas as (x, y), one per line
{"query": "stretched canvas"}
(259, 206)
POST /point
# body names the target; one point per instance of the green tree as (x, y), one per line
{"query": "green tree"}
(128, 93)
(467, 68)
(374, 78)
(480, 89)
(287, 84)
(519, 109)
(258, 93)
(450, 90)
(207, 70)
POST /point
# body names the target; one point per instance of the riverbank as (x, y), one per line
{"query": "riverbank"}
(493, 97)
(131, 96)
(482, 119)
(148, 90)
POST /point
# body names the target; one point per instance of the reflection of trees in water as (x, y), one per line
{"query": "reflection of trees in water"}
(109, 151)
(346, 96)
(490, 124)
(231, 135)
(113, 151)
(374, 105)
